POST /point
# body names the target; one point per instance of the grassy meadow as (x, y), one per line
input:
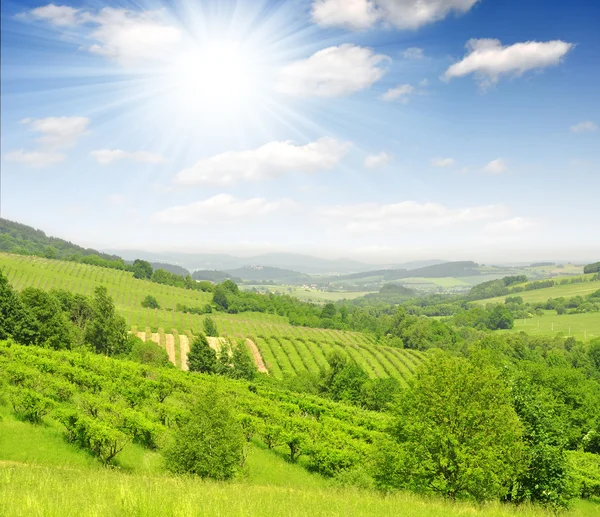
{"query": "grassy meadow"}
(582, 327)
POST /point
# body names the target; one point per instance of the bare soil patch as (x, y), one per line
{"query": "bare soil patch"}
(184, 348)
(170, 345)
(260, 364)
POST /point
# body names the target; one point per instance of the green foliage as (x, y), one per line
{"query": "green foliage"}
(30, 405)
(202, 358)
(456, 433)
(107, 331)
(592, 268)
(210, 443)
(243, 365)
(150, 302)
(210, 327)
(146, 352)
(142, 269)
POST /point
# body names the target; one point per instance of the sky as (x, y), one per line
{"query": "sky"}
(373, 129)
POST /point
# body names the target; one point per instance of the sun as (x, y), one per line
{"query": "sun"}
(218, 75)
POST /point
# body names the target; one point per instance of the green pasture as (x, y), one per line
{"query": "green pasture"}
(556, 291)
(581, 326)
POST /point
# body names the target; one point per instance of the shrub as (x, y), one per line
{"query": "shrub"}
(210, 444)
(150, 302)
(30, 405)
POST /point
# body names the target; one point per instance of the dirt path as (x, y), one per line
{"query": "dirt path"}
(141, 335)
(184, 348)
(170, 344)
(260, 364)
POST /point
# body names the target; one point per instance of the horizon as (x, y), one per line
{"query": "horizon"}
(382, 134)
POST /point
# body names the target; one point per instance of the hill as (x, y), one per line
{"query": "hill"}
(25, 240)
(211, 275)
(269, 274)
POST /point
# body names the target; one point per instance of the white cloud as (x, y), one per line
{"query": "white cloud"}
(352, 14)
(584, 127)
(375, 217)
(400, 92)
(268, 161)
(404, 14)
(219, 208)
(377, 160)
(58, 132)
(516, 224)
(61, 15)
(488, 59)
(130, 37)
(34, 158)
(496, 166)
(107, 156)
(413, 53)
(332, 72)
(443, 162)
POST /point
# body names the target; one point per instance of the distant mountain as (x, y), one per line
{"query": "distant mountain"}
(417, 264)
(447, 269)
(305, 264)
(171, 268)
(212, 275)
(269, 274)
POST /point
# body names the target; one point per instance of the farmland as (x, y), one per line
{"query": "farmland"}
(582, 327)
(286, 349)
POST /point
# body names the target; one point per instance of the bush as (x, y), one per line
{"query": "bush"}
(150, 302)
(210, 444)
(30, 405)
(147, 352)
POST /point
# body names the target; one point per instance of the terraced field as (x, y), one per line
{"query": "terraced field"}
(284, 349)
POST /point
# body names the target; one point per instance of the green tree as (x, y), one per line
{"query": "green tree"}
(243, 365)
(146, 352)
(455, 433)
(107, 330)
(210, 444)
(202, 358)
(51, 325)
(500, 318)
(142, 269)
(15, 320)
(344, 380)
(150, 302)
(210, 327)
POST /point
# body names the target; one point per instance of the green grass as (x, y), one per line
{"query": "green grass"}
(542, 295)
(39, 491)
(282, 354)
(581, 326)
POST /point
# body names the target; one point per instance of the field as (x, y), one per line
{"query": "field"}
(580, 326)
(541, 295)
(308, 294)
(41, 476)
(285, 349)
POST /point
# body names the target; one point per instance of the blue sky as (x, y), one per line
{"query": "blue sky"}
(378, 129)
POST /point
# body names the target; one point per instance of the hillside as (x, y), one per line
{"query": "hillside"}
(261, 273)
(286, 349)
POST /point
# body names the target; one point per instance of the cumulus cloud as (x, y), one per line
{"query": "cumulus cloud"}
(377, 160)
(443, 162)
(510, 226)
(375, 217)
(34, 158)
(403, 14)
(268, 161)
(413, 53)
(332, 72)
(107, 156)
(58, 132)
(496, 166)
(400, 92)
(129, 37)
(220, 208)
(584, 127)
(60, 15)
(352, 14)
(489, 60)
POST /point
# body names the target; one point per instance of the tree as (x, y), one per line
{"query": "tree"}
(220, 298)
(210, 327)
(202, 358)
(15, 320)
(344, 380)
(107, 330)
(150, 302)
(243, 366)
(210, 444)
(500, 318)
(50, 324)
(142, 269)
(455, 433)
(147, 352)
